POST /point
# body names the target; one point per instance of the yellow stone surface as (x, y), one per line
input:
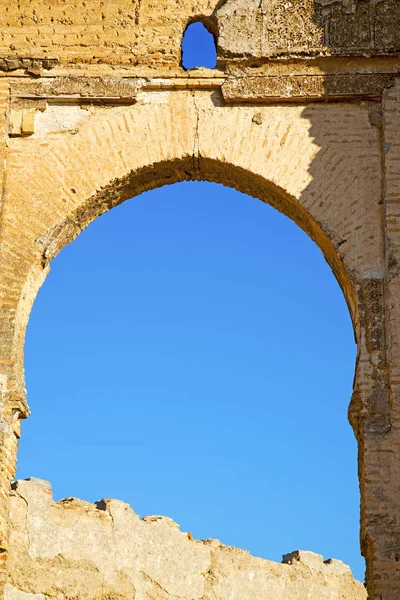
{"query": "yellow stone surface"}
(302, 112)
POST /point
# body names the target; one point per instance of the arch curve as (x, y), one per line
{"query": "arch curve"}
(212, 170)
(116, 153)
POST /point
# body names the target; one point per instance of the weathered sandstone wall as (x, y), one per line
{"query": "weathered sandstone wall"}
(73, 549)
(302, 112)
(137, 32)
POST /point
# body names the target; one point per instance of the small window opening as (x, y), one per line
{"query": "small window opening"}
(198, 47)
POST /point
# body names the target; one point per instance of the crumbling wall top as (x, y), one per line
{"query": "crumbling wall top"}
(75, 549)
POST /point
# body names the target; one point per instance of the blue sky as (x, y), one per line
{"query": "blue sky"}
(198, 47)
(191, 353)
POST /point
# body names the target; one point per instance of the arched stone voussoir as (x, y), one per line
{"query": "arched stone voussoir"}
(276, 153)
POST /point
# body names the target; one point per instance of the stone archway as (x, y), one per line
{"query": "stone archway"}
(84, 159)
(74, 177)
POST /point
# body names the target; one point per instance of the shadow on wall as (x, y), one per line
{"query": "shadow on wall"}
(344, 135)
(352, 133)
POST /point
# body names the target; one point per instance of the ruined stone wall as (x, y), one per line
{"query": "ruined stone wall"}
(73, 549)
(302, 112)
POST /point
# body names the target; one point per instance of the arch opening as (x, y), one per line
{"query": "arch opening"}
(198, 47)
(223, 421)
(158, 175)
